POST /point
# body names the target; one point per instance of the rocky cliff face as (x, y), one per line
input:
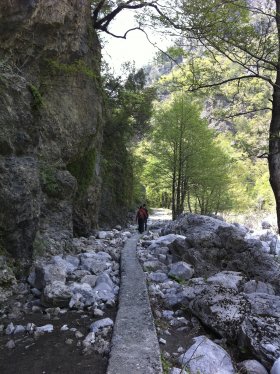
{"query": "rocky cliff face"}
(51, 123)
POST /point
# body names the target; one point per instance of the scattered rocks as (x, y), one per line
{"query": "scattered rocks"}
(230, 294)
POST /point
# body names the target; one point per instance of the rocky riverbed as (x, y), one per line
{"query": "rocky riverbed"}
(214, 290)
(60, 320)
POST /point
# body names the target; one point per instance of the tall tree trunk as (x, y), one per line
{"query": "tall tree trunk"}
(189, 198)
(274, 147)
(274, 131)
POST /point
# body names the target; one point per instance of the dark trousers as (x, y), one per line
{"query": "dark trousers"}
(145, 223)
(141, 225)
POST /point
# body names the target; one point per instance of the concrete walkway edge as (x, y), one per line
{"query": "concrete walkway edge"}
(134, 347)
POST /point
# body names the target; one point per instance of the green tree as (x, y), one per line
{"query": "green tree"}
(247, 34)
(184, 158)
(128, 108)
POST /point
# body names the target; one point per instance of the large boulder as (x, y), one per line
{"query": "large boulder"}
(56, 294)
(181, 270)
(96, 263)
(254, 286)
(206, 357)
(82, 294)
(212, 245)
(251, 367)
(7, 277)
(221, 309)
(69, 264)
(163, 241)
(198, 230)
(47, 274)
(260, 330)
(227, 279)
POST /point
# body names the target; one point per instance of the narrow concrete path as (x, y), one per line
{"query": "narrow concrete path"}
(135, 347)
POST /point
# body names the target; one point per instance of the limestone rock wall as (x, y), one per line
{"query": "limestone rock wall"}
(51, 123)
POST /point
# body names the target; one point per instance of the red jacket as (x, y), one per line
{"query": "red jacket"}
(141, 214)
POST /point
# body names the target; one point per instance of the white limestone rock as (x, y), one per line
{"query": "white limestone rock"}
(45, 328)
(227, 279)
(206, 357)
(251, 367)
(181, 270)
(56, 294)
(276, 367)
(100, 324)
(254, 286)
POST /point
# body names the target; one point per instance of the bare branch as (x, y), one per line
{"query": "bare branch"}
(264, 155)
(240, 114)
(209, 85)
(125, 34)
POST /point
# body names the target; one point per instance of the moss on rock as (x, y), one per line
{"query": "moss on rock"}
(83, 169)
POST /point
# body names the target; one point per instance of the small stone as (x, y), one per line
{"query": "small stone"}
(28, 346)
(69, 341)
(166, 355)
(30, 327)
(162, 341)
(64, 328)
(177, 371)
(98, 312)
(45, 328)
(36, 292)
(73, 329)
(36, 309)
(47, 316)
(78, 334)
(100, 324)
(89, 340)
(110, 303)
(63, 311)
(56, 311)
(158, 313)
(10, 328)
(11, 344)
(37, 334)
(2, 328)
(19, 329)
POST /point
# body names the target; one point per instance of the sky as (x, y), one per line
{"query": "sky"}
(135, 48)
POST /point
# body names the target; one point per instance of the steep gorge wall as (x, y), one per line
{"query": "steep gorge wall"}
(51, 123)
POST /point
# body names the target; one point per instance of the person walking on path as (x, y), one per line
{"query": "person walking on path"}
(146, 218)
(140, 218)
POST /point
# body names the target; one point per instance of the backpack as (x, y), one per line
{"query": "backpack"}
(142, 213)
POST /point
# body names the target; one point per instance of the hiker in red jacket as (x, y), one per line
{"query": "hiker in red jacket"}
(140, 218)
